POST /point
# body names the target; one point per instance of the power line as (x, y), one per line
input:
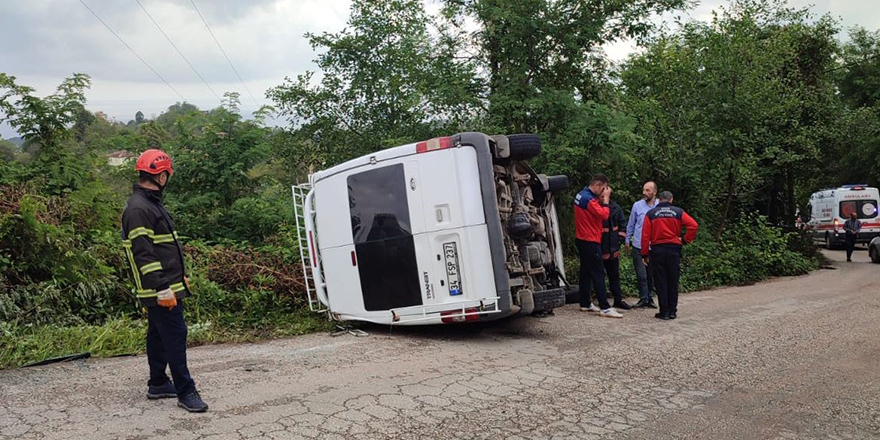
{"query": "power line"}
(223, 51)
(132, 51)
(178, 50)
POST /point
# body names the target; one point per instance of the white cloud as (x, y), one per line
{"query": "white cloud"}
(47, 40)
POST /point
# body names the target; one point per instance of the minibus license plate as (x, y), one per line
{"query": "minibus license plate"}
(453, 275)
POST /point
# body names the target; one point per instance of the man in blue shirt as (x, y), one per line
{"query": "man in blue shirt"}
(634, 238)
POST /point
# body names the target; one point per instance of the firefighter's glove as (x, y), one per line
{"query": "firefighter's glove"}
(167, 298)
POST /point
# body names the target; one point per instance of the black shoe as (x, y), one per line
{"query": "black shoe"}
(662, 316)
(161, 392)
(649, 305)
(672, 316)
(192, 402)
(622, 305)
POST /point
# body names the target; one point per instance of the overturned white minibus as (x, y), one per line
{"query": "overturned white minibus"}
(453, 229)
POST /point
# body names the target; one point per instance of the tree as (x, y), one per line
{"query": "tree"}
(139, 117)
(734, 111)
(385, 81)
(84, 119)
(8, 150)
(44, 122)
(542, 58)
(860, 76)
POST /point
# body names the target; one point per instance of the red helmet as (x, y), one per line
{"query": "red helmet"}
(154, 162)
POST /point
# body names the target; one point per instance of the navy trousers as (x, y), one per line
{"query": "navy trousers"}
(612, 270)
(592, 272)
(166, 347)
(665, 266)
(850, 245)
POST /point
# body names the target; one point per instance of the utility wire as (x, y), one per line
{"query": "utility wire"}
(132, 51)
(178, 50)
(222, 51)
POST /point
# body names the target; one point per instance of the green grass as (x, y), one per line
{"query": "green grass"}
(21, 345)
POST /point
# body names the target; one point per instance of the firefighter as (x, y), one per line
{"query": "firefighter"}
(155, 255)
(662, 240)
(590, 210)
(613, 234)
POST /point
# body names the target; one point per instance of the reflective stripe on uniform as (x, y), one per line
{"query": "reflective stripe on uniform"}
(177, 287)
(146, 293)
(141, 231)
(151, 267)
(163, 238)
(134, 271)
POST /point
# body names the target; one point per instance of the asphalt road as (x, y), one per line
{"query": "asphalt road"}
(789, 358)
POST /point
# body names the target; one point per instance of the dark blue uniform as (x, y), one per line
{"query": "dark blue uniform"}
(155, 255)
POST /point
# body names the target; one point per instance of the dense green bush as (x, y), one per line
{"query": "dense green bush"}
(64, 286)
(749, 251)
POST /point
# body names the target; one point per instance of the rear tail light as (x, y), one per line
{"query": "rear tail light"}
(458, 315)
(836, 224)
(440, 143)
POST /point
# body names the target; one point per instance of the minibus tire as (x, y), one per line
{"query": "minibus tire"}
(549, 299)
(524, 146)
(557, 183)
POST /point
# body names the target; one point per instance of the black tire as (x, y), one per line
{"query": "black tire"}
(875, 255)
(549, 299)
(524, 146)
(573, 295)
(829, 242)
(557, 183)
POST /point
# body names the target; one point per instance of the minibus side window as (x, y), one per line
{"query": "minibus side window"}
(384, 245)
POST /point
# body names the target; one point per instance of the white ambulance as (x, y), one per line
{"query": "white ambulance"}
(454, 229)
(830, 208)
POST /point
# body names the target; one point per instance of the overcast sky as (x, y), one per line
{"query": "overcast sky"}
(45, 41)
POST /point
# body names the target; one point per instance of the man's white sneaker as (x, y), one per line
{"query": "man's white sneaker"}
(610, 313)
(592, 308)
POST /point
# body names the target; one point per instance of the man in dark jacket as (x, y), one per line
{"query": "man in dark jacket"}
(662, 239)
(852, 227)
(590, 210)
(155, 255)
(613, 233)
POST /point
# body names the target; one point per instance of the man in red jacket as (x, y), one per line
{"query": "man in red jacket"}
(662, 237)
(590, 211)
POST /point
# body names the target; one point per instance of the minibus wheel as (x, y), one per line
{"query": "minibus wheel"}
(524, 146)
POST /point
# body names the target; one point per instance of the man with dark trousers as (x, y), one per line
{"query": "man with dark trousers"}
(155, 255)
(613, 233)
(634, 239)
(662, 239)
(590, 210)
(852, 227)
